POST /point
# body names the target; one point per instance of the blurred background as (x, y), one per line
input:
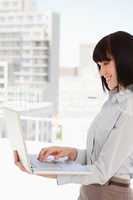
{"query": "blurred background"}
(48, 75)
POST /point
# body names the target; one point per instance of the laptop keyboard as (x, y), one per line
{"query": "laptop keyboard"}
(67, 166)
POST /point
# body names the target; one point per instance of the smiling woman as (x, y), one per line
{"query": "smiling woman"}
(108, 71)
(114, 53)
(109, 151)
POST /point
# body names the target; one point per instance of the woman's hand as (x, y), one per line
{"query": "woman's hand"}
(19, 164)
(54, 176)
(57, 152)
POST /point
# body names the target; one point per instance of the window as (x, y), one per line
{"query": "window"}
(30, 18)
(37, 43)
(14, 4)
(6, 3)
(2, 19)
(26, 60)
(25, 49)
(16, 67)
(10, 19)
(1, 85)
(1, 75)
(1, 69)
(46, 43)
(39, 18)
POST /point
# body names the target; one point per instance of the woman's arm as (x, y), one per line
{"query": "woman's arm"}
(118, 146)
(81, 156)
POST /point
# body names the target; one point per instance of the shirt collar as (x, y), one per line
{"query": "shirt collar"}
(122, 95)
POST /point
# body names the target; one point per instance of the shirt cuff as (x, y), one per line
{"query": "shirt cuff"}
(81, 156)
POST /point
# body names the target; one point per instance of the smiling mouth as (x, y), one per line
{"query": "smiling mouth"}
(108, 79)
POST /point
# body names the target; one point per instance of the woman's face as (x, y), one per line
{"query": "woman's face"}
(108, 71)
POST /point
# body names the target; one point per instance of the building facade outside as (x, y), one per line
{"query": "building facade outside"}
(29, 44)
(15, 5)
(3, 81)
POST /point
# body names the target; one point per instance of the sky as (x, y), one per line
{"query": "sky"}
(87, 21)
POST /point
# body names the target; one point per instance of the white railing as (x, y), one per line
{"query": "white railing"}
(34, 128)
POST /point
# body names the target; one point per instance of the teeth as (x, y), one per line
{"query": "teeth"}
(108, 78)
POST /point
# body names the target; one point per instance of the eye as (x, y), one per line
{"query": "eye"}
(105, 62)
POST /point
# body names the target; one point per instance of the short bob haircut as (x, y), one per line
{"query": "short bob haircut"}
(119, 46)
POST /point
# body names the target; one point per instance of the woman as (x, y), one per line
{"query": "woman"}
(109, 150)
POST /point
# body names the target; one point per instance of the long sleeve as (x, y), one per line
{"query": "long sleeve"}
(117, 147)
(81, 156)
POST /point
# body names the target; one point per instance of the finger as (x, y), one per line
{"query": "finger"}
(49, 152)
(59, 155)
(44, 155)
(21, 167)
(16, 156)
(52, 151)
(19, 164)
(47, 175)
(42, 152)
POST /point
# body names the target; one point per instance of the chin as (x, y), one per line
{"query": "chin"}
(112, 87)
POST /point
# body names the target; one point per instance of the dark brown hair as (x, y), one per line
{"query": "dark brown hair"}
(118, 45)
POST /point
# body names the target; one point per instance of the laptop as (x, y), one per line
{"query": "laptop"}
(29, 161)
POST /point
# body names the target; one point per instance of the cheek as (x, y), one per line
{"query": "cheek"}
(115, 74)
(113, 71)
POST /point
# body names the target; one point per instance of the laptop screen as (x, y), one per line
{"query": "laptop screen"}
(15, 135)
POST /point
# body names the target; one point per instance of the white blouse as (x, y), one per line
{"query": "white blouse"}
(109, 150)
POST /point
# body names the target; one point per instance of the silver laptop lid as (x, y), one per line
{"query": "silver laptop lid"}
(15, 135)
